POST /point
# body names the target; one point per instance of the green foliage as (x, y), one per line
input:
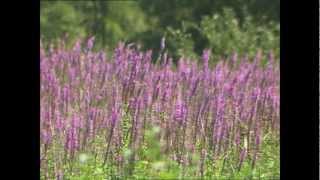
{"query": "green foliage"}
(189, 26)
(180, 42)
(109, 21)
(123, 21)
(58, 18)
(226, 35)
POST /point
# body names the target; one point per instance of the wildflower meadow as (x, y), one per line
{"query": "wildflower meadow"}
(122, 115)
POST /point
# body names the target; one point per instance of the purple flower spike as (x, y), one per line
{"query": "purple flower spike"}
(205, 57)
(86, 98)
(114, 117)
(90, 43)
(180, 109)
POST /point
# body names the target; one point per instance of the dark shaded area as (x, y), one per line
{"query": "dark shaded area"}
(224, 26)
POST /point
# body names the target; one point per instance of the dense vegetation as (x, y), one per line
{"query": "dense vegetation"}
(123, 117)
(190, 92)
(189, 26)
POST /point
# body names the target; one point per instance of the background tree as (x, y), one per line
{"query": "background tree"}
(189, 26)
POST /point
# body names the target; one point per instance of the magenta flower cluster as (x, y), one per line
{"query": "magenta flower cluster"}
(198, 105)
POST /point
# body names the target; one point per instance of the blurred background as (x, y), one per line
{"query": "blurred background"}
(224, 26)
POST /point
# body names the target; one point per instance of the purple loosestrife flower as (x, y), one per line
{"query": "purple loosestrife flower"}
(72, 134)
(59, 122)
(84, 88)
(69, 140)
(114, 117)
(133, 103)
(157, 106)
(46, 136)
(169, 62)
(194, 88)
(219, 73)
(147, 96)
(92, 122)
(228, 88)
(220, 107)
(118, 53)
(147, 57)
(256, 94)
(72, 74)
(239, 103)
(205, 57)
(156, 93)
(90, 43)
(180, 109)
(66, 96)
(77, 47)
(102, 56)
